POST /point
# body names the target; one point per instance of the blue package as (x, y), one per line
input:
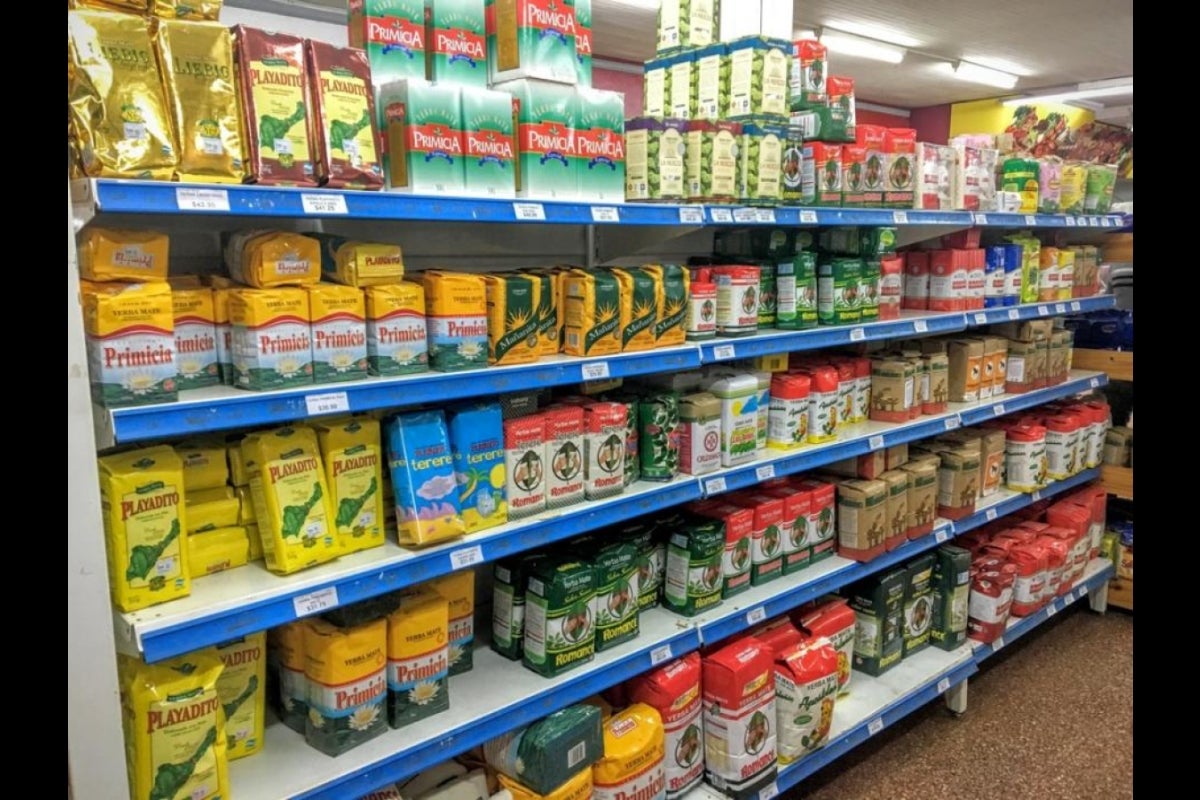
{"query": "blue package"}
(994, 278)
(477, 441)
(1013, 256)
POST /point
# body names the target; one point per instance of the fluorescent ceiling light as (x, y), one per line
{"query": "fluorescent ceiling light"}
(1001, 64)
(966, 71)
(647, 4)
(879, 33)
(1076, 94)
(850, 45)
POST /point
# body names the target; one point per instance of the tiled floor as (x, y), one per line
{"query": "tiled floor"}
(1050, 717)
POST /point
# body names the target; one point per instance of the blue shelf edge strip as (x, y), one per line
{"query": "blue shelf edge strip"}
(161, 197)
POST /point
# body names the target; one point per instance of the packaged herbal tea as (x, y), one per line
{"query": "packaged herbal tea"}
(761, 151)
(604, 449)
(130, 343)
(655, 154)
(396, 331)
(509, 578)
(285, 646)
(616, 575)
(600, 144)
(422, 126)
(713, 168)
(658, 436)
(548, 156)
(489, 141)
(693, 574)
(346, 670)
(560, 619)
(418, 656)
(525, 465)
(243, 691)
(353, 459)
(339, 333)
(457, 319)
(458, 589)
(593, 313)
(455, 42)
(344, 122)
(513, 304)
(639, 292)
(271, 338)
(531, 39)
(422, 470)
(392, 32)
(195, 337)
(759, 77)
(564, 455)
(477, 441)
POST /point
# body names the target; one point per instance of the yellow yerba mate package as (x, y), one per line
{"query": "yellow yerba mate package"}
(359, 263)
(130, 331)
(184, 9)
(174, 723)
(513, 305)
(255, 542)
(243, 690)
(291, 499)
(266, 259)
(271, 338)
(549, 312)
(204, 465)
(111, 254)
(459, 590)
(337, 315)
(639, 308)
(217, 551)
(145, 525)
(346, 671)
(577, 788)
(593, 313)
(196, 60)
(353, 457)
(118, 114)
(196, 359)
(211, 509)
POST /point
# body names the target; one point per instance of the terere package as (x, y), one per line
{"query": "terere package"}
(111, 254)
(145, 526)
(458, 589)
(195, 337)
(456, 42)
(418, 658)
(422, 470)
(531, 39)
(761, 152)
(243, 691)
(271, 338)
(600, 145)
(477, 441)
(130, 343)
(878, 603)
(339, 333)
(806, 687)
(265, 259)
(951, 594)
(456, 318)
(709, 83)
(489, 142)
(759, 74)
(739, 718)
(548, 161)
(633, 761)
(119, 117)
(346, 669)
(583, 42)
(396, 331)
(422, 128)
(276, 107)
(674, 691)
(545, 755)
(174, 726)
(686, 24)
(655, 158)
(392, 32)
(616, 578)
(196, 62)
(560, 615)
(353, 459)
(693, 575)
(344, 122)
(713, 166)
(359, 264)
(918, 603)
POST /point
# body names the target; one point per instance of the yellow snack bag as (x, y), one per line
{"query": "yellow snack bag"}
(639, 308)
(211, 509)
(243, 690)
(145, 525)
(593, 312)
(130, 331)
(196, 61)
(353, 458)
(577, 788)
(113, 254)
(265, 259)
(118, 113)
(204, 465)
(217, 551)
(513, 305)
(346, 670)
(175, 728)
(291, 499)
(255, 540)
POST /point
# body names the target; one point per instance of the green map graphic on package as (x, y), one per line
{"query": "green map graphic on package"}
(272, 129)
(170, 778)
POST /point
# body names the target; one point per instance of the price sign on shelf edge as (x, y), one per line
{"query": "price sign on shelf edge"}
(308, 604)
(723, 352)
(920, 326)
(1014, 314)
(769, 791)
(719, 215)
(943, 685)
(324, 203)
(714, 485)
(326, 403)
(808, 217)
(875, 726)
(857, 334)
(605, 214)
(693, 215)
(202, 199)
(466, 557)
(529, 211)
(660, 654)
(755, 616)
(900, 217)
(765, 472)
(597, 371)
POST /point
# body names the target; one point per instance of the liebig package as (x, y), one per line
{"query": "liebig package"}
(600, 145)
(759, 74)
(456, 42)
(489, 141)
(656, 154)
(422, 126)
(548, 162)
(130, 343)
(531, 39)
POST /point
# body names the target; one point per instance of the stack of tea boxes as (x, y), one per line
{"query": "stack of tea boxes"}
(492, 99)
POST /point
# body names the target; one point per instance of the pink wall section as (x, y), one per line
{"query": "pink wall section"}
(932, 124)
(627, 83)
(868, 117)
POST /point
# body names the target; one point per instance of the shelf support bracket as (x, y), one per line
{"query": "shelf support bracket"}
(1098, 598)
(956, 698)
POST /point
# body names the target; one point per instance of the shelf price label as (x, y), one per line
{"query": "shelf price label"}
(1037, 495)
(1070, 222)
(875, 442)
(1094, 222)
(605, 214)
(981, 219)
(998, 410)
(1083, 590)
(1106, 222)
(1031, 219)
(1076, 306)
(1051, 609)
(1014, 314)
(323, 204)
(952, 422)
(875, 726)
(756, 615)
(1043, 311)
(769, 791)
(920, 326)
(857, 334)
(527, 212)
(941, 535)
(714, 486)
(693, 215)
(745, 215)
(766, 215)
(660, 654)
(724, 352)
(597, 371)
(765, 472)
(1068, 598)
(466, 557)
(808, 217)
(900, 217)
(999, 643)
(1094, 383)
(315, 602)
(1060, 308)
(326, 403)
(724, 215)
(943, 686)
(981, 318)
(202, 199)
(991, 514)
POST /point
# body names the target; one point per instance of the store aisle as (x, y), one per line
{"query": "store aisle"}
(1051, 716)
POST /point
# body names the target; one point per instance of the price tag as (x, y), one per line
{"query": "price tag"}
(694, 215)
(1068, 598)
(1043, 311)
(1083, 590)
(718, 214)
(943, 685)
(660, 654)
(941, 535)
(529, 211)
(605, 214)
(466, 557)
(1106, 222)
(202, 199)
(595, 372)
(1030, 219)
(920, 326)
(875, 726)
(1051, 609)
(756, 615)
(952, 422)
(981, 318)
(1037, 495)
(1014, 314)
(745, 215)
(981, 219)
(900, 217)
(765, 472)
(1094, 222)
(314, 602)
(857, 334)
(808, 217)
(324, 204)
(768, 791)
(724, 352)
(875, 442)
(1070, 221)
(991, 514)
(1060, 308)
(998, 410)
(1076, 306)
(1094, 383)
(766, 215)
(714, 486)
(327, 403)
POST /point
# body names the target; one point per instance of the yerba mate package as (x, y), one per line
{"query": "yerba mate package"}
(455, 42)
(532, 39)
(600, 144)
(489, 142)
(423, 136)
(739, 717)
(547, 114)
(392, 32)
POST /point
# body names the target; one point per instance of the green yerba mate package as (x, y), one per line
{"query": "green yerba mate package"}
(456, 42)
(600, 144)
(424, 132)
(761, 153)
(532, 39)
(560, 618)
(655, 154)
(759, 75)
(713, 168)
(548, 159)
(393, 34)
(693, 576)
(658, 435)
(489, 157)
(709, 84)
(616, 573)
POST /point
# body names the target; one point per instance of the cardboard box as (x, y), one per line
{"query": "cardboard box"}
(966, 369)
(878, 603)
(1058, 362)
(895, 456)
(897, 507)
(1030, 330)
(918, 603)
(861, 519)
(958, 483)
(951, 596)
(871, 465)
(1021, 369)
(922, 495)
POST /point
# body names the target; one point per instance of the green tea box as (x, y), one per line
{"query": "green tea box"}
(423, 134)
(547, 161)
(532, 39)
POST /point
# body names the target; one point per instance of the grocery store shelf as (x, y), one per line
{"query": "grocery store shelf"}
(249, 598)
(1118, 480)
(100, 196)
(1117, 363)
(1098, 573)
(220, 408)
(1078, 381)
(496, 696)
(991, 316)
